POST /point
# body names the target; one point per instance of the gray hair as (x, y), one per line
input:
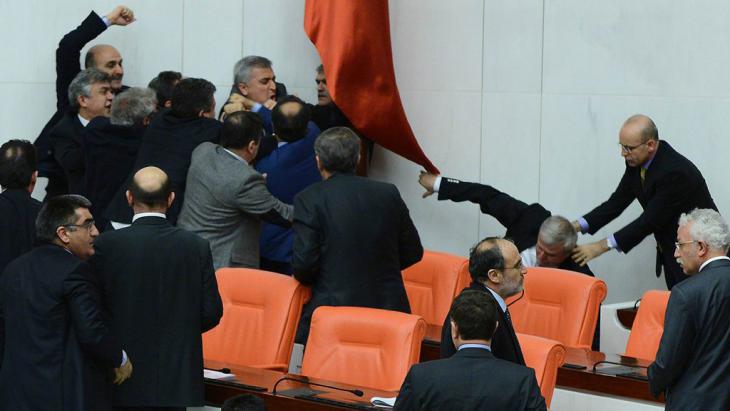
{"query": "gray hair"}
(132, 106)
(81, 85)
(708, 226)
(558, 230)
(320, 69)
(338, 149)
(242, 69)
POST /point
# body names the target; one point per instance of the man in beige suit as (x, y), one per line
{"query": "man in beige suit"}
(226, 198)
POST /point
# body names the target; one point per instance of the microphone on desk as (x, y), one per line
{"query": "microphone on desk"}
(359, 393)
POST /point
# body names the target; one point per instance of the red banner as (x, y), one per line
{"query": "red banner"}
(353, 40)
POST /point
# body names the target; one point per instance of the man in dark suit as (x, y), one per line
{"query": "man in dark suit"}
(666, 185)
(111, 145)
(693, 362)
(352, 236)
(103, 57)
(289, 169)
(90, 96)
(58, 349)
(497, 270)
(542, 239)
(473, 378)
(18, 210)
(161, 293)
(168, 144)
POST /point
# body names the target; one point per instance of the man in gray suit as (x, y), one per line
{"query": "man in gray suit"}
(226, 198)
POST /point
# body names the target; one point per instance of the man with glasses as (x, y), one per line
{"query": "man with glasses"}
(58, 350)
(666, 185)
(692, 364)
(496, 268)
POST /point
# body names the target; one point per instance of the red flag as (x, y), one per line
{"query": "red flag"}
(353, 40)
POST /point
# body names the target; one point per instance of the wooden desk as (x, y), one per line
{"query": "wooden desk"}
(571, 378)
(217, 391)
(606, 384)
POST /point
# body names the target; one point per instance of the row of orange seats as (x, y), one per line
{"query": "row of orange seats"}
(375, 348)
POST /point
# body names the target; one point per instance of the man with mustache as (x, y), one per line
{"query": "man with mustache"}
(103, 57)
(666, 184)
(90, 95)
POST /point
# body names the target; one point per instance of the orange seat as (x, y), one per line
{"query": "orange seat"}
(648, 326)
(261, 311)
(431, 284)
(366, 347)
(545, 357)
(559, 305)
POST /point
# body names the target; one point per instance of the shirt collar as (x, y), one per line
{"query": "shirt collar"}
(236, 156)
(83, 121)
(499, 299)
(722, 257)
(482, 346)
(140, 215)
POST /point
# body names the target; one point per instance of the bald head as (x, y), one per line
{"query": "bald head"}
(150, 191)
(107, 59)
(643, 125)
(639, 139)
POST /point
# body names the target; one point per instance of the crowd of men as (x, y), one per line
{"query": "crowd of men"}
(107, 286)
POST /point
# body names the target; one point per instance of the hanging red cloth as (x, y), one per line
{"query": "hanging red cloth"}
(353, 40)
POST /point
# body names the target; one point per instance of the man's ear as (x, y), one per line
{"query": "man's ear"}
(252, 145)
(170, 199)
(62, 235)
(242, 88)
(494, 276)
(454, 331)
(130, 199)
(81, 100)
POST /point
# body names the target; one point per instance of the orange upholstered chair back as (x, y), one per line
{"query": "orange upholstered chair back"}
(261, 311)
(366, 347)
(545, 357)
(648, 325)
(559, 305)
(431, 284)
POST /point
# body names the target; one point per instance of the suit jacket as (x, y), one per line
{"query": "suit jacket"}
(289, 169)
(522, 221)
(161, 293)
(68, 65)
(504, 342)
(352, 238)
(224, 203)
(168, 143)
(693, 362)
(328, 116)
(473, 379)
(109, 155)
(18, 211)
(672, 186)
(58, 349)
(66, 140)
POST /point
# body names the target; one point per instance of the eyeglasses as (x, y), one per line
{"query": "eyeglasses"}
(87, 225)
(321, 82)
(628, 149)
(519, 266)
(680, 244)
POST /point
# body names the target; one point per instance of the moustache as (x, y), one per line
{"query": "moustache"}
(116, 76)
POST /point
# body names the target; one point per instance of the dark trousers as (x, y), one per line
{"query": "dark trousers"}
(148, 408)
